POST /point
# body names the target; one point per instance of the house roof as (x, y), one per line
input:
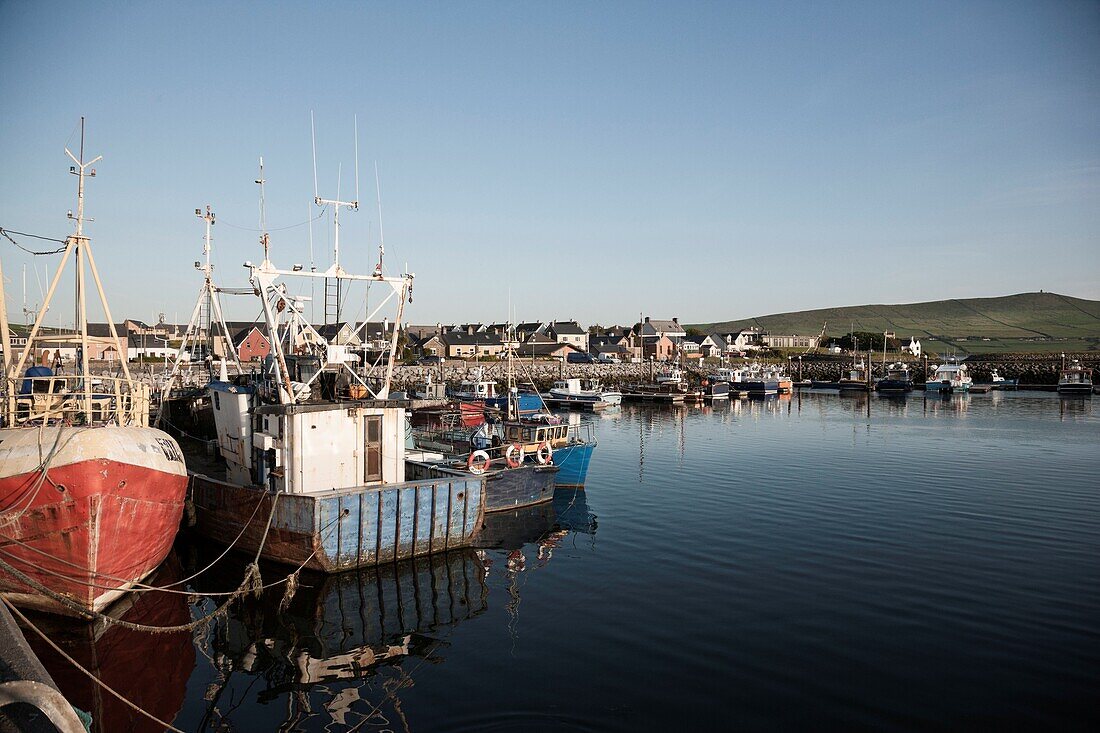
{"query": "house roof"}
(665, 326)
(543, 349)
(101, 330)
(567, 328)
(421, 332)
(244, 332)
(457, 338)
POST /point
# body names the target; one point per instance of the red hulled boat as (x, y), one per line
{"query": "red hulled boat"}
(90, 495)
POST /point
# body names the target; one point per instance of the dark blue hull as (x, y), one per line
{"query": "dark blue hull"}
(894, 386)
(757, 386)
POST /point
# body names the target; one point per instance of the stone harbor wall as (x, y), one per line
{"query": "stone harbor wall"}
(1027, 368)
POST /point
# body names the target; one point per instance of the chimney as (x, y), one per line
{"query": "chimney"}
(676, 320)
(647, 319)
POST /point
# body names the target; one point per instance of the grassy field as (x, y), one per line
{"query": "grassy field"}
(1028, 322)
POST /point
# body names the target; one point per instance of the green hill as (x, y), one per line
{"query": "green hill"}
(1024, 322)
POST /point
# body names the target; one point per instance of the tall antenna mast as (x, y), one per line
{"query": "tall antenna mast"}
(333, 284)
(381, 233)
(264, 240)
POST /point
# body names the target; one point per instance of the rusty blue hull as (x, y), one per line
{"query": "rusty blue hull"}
(343, 529)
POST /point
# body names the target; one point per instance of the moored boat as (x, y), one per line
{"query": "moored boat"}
(897, 380)
(90, 495)
(1075, 380)
(1000, 382)
(949, 377)
(573, 391)
(314, 450)
(855, 380)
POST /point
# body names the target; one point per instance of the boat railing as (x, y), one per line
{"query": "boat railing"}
(74, 400)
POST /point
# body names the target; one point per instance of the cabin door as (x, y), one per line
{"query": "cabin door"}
(372, 448)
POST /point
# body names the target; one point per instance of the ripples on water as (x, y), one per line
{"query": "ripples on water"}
(813, 562)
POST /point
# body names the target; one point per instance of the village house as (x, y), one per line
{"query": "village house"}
(536, 348)
(788, 342)
(251, 343)
(461, 345)
(568, 332)
(659, 348)
(653, 328)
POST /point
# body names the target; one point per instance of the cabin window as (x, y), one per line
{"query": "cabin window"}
(372, 448)
(217, 402)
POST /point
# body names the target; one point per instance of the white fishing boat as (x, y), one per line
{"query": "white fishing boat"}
(588, 392)
(950, 376)
(1075, 379)
(314, 445)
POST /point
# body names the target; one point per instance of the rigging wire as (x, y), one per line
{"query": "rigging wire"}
(274, 229)
(8, 232)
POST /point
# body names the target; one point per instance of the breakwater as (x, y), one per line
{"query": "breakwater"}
(1027, 368)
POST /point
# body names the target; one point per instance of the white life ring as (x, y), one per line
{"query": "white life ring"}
(478, 462)
(514, 455)
(545, 454)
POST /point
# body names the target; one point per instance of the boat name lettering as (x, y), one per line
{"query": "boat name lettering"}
(168, 447)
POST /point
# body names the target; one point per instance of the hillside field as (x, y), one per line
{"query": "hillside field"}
(1032, 322)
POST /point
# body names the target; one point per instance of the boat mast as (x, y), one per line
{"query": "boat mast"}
(5, 334)
(79, 245)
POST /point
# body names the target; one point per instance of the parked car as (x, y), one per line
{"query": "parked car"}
(606, 358)
(429, 360)
(579, 357)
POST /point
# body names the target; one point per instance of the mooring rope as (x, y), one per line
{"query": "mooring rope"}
(245, 587)
(87, 673)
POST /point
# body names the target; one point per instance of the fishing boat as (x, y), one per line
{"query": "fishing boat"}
(732, 378)
(90, 495)
(714, 390)
(570, 445)
(756, 381)
(897, 380)
(786, 384)
(950, 377)
(478, 390)
(1000, 382)
(314, 445)
(513, 477)
(1075, 380)
(587, 393)
(668, 385)
(856, 380)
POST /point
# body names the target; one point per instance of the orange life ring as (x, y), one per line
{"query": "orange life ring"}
(545, 453)
(514, 455)
(478, 462)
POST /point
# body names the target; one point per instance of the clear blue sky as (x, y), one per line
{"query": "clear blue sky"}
(597, 160)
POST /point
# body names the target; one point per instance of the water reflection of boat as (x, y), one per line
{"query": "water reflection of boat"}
(572, 512)
(340, 629)
(514, 528)
(120, 657)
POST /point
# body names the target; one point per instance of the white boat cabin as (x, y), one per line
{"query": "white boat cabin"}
(308, 447)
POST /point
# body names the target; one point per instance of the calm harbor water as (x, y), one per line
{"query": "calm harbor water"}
(811, 562)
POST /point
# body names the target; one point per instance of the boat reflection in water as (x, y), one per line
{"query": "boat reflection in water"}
(149, 669)
(334, 651)
(345, 648)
